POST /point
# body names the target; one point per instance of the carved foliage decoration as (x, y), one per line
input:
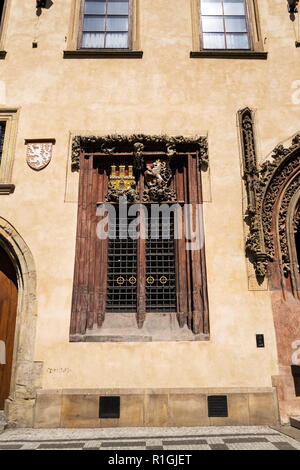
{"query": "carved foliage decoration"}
(278, 176)
(157, 177)
(137, 144)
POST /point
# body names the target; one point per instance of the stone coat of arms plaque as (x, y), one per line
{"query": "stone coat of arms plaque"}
(39, 154)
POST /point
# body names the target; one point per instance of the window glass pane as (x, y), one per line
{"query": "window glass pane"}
(95, 7)
(235, 24)
(116, 40)
(212, 23)
(94, 23)
(237, 41)
(211, 7)
(116, 23)
(2, 132)
(93, 40)
(117, 7)
(234, 7)
(213, 41)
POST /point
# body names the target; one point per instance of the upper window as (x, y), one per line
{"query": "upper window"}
(224, 24)
(106, 24)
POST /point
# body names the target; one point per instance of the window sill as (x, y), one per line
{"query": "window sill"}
(220, 54)
(103, 54)
(122, 327)
(6, 189)
(3, 54)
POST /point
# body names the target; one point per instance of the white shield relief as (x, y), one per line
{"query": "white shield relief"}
(39, 155)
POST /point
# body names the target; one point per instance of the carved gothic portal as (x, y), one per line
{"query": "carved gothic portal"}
(273, 195)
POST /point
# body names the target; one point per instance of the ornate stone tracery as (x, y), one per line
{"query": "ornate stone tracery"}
(270, 190)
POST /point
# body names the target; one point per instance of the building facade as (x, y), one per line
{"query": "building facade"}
(190, 105)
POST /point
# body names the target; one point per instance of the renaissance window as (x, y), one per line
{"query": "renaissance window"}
(224, 24)
(106, 24)
(142, 264)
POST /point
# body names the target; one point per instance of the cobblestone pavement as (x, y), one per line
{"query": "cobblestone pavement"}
(196, 438)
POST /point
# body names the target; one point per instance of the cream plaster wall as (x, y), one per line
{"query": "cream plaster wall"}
(165, 92)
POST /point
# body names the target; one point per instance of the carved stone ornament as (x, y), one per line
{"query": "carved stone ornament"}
(278, 175)
(137, 144)
(121, 184)
(157, 178)
(39, 154)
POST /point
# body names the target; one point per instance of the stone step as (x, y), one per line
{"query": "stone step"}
(295, 421)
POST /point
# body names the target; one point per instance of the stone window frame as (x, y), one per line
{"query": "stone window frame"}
(256, 41)
(74, 49)
(3, 27)
(10, 116)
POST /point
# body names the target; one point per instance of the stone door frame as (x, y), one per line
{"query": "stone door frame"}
(26, 373)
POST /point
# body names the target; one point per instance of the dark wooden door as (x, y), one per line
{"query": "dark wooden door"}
(8, 310)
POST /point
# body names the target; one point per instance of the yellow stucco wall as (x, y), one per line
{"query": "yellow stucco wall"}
(164, 92)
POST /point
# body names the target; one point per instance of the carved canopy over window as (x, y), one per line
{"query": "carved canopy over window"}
(154, 274)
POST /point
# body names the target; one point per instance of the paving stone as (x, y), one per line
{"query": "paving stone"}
(240, 440)
(284, 446)
(10, 446)
(181, 442)
(64, 445)
(181, 438)
(219, 447)
(123, 444)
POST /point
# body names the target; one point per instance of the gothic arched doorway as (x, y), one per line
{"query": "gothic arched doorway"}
(8, 311)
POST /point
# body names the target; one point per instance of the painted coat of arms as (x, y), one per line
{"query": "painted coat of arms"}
(39, 155)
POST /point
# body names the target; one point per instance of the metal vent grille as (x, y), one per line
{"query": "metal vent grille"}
(122, 265)
(160, 265)
(109, 407)
(217, 406)
(2, 133)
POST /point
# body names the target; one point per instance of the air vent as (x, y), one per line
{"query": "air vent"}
(260, 341)
(217, 406)
(109, 407)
